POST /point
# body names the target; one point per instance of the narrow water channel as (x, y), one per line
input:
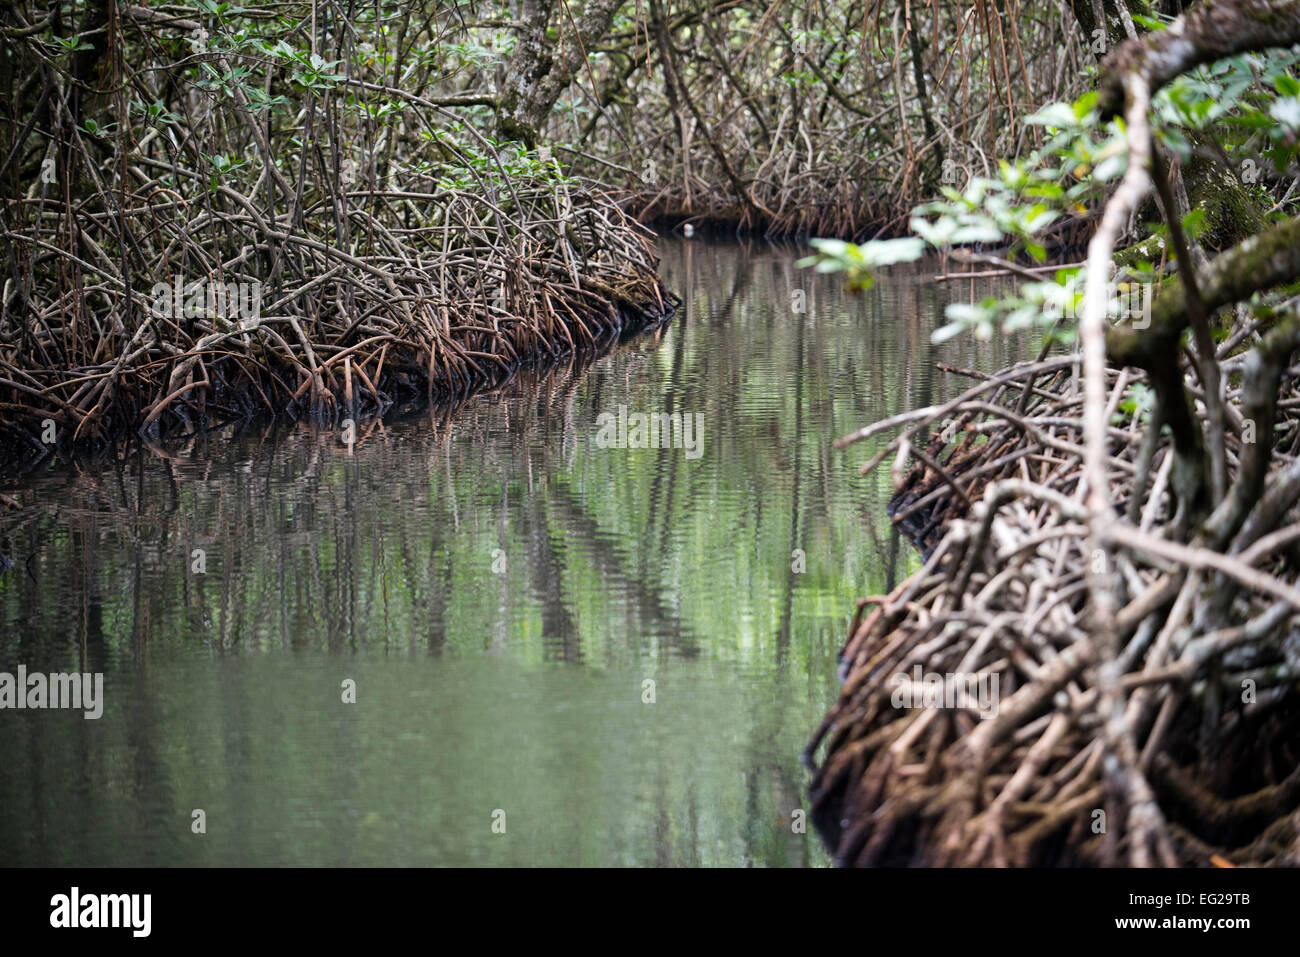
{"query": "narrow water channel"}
(613, 655)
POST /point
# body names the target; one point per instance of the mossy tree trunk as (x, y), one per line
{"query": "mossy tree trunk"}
(551, 47)
(1231, 212)
(1260, 259)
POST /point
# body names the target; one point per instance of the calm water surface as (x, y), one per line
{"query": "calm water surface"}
(501, 590)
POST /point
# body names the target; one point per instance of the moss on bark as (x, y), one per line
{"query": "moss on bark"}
(1231, 212)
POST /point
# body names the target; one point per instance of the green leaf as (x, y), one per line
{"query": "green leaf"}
(944, 333)
(977, 233)
(1060, 115)
(1286, 112)
(1110, 167)
(937, 234)
(886, 252)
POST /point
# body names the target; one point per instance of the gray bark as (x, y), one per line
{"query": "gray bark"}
(546, 59)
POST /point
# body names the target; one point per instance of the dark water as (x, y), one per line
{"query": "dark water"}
(499, 587)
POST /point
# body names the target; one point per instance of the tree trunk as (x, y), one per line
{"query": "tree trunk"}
(1231, 212)
(547, 57)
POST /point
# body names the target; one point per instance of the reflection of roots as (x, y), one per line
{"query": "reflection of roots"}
(1196, 760)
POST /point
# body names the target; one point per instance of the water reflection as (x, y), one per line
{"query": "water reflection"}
(621, 649)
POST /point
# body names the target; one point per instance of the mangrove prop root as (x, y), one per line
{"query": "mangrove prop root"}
(1029, 776)
(143, 292)
(430, 312)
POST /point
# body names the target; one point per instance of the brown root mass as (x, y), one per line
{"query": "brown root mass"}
(993, 501)
(435, 305)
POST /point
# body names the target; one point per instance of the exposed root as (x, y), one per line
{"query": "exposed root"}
(1196, 764)
(151, 284)
(431, 310)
